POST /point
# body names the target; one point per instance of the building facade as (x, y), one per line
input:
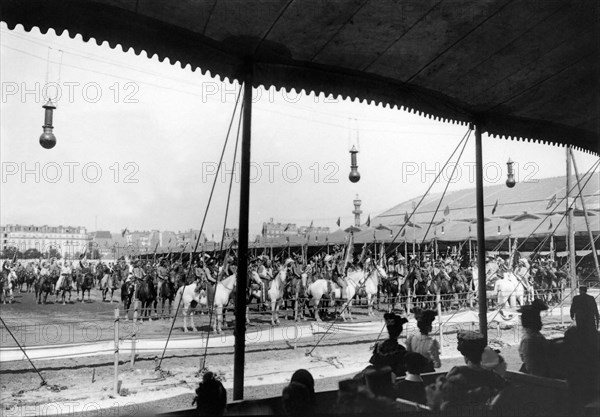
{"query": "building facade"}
(66, 240)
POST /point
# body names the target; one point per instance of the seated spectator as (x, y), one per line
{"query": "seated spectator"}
(412, 388)
(472, 345)
(211, 396)
(535, 351)
(466, 386)
(390, 352)
(302, 376)
(423, 343)
(380, 382)
(297, 400)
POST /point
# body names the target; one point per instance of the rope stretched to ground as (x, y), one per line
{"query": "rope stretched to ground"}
(24, 353)
(211, 305)
(158, 367)
(446, 188)
(465, 137)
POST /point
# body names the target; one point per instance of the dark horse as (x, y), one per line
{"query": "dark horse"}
(43, 285)
(425, 290)
(127, 290)
(167, 293)
(442, 281)
(85, 282)
(146, 293)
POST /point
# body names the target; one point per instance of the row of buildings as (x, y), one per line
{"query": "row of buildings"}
(70, 242)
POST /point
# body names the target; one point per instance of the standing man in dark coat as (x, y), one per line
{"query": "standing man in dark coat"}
(585, 311)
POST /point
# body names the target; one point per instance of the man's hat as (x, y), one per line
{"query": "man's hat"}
(379, 381)
(583, 287)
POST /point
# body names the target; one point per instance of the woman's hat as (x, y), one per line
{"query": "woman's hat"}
(425, 316)
(469, 341)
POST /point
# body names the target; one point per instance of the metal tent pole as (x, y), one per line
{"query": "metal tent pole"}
(480, 233)
(242, 268)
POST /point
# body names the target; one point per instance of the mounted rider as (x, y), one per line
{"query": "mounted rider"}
(265, 274)
(163, 273)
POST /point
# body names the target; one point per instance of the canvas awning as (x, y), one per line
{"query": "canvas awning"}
(520, 68)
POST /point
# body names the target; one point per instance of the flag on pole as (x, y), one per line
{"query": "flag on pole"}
(550, 225)
(403, 232)
(339, 222)
(447, 211)
(311, 224)
(551, 202)
(406, 217)
(369, 221)
(287, 226)
(495, 207)
(124, 232)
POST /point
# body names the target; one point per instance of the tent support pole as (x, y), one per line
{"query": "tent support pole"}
(585, 214)
(242, 265)
(570, 234)
(480, 233)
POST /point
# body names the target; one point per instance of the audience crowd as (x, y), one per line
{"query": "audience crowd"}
(393, 379)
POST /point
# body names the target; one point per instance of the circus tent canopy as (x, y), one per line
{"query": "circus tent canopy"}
(519, 68)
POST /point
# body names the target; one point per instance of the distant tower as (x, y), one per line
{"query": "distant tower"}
(357, 211)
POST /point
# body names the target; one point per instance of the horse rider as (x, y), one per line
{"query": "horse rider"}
(163, 273)
(522, 274)
(265, 273)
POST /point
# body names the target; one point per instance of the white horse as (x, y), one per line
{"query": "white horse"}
(276, 293)
(189, 296)
(510, 291)
(369, 281)
(355, 280)
(7, 286)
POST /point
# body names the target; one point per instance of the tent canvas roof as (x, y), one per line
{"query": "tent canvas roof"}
(523, 69)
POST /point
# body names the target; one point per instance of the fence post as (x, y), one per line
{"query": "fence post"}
(116, 370)
(562, 301)
(136, 305)
(439, 311)
(408, 302)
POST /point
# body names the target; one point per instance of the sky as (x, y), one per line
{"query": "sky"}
(139, 143)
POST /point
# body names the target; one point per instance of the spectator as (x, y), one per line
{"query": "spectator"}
(380, 382)
(390, 352)
(582, 365)
(423, 343)
(211, 396)
(297, 401)
(585, 311)
(479, 384)
(535, 350)
(412, 387)
(302, 376)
